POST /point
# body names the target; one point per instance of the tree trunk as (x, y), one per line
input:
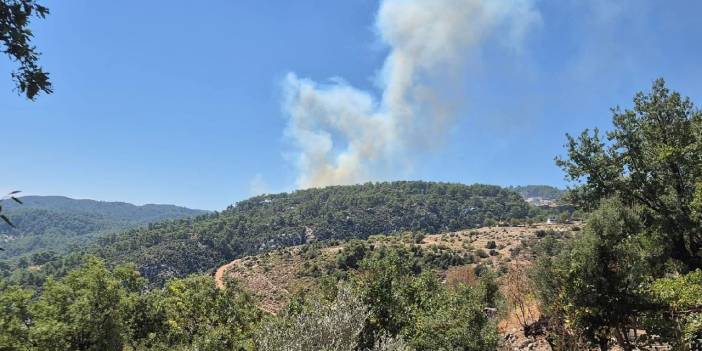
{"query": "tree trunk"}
(604, 343)
(621, 339)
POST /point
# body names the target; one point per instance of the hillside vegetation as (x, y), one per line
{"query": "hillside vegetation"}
(545, 192)
(401, 292)
(275, 277)
(56, 223)
(268, 222)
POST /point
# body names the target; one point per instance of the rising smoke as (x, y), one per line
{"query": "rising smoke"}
(343, 135)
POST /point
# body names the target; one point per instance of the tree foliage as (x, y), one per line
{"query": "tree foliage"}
(16, 36)
(594, 287)
(410, 303)
(384, 305)
(681, 297)
(643, 182)
(653, 159)
(95, 308)
(320, 325)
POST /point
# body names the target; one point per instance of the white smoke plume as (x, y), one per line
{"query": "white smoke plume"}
(344, 135)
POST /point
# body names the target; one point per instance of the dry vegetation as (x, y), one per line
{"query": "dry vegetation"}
(272, 278)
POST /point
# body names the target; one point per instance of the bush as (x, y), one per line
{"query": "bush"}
(682, 297)
(350, 256)
(333, 326)
(481, 253)
(491, 245)
(418, 238)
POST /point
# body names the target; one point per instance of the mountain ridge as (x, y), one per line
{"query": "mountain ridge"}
(57, 223)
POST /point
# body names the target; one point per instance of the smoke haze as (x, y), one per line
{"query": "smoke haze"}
(343, 135)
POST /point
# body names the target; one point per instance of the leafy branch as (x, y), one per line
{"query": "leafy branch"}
(11, 196)
(15, 36)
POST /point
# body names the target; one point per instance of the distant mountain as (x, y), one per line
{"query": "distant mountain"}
(267, 222)
(57, 223)
(545, 192)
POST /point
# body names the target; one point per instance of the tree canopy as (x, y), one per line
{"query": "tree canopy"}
(643, 238)
(651, 158)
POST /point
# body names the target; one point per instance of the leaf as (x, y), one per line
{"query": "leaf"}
(14, 192)
(16, 200)
(7, 220)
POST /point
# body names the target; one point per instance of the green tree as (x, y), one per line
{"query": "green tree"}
(646, 170)
(385, 284)
(593, 287)
(682, 298)
(15, 319)
(456, 321)
(83, 311)
(200, 316)
(94, 308)
(15, 35)
(650, 159)
(319, 325)
(412, 304)
(601, 293)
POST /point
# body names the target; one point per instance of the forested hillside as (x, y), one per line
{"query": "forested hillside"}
(545, 192)
(266, 222)
(56, 223)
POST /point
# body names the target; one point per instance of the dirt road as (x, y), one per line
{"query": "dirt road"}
(221, 271)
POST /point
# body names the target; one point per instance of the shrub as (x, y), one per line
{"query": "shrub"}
(418, 238)
(351, 255)
(481, 253)
(333, 326)
(682, 297)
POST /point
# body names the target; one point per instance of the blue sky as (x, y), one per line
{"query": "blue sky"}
(168, 102)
